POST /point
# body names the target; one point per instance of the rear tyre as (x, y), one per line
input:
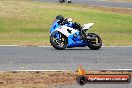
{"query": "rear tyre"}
(95, 42)
(58, 43)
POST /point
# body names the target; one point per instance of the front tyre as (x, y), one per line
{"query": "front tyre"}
(95, 42)
(58, 41)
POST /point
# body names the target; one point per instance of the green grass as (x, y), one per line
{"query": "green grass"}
(28, 23)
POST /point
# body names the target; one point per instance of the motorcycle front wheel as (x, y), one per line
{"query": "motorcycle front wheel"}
(58, 41)
(95, 42)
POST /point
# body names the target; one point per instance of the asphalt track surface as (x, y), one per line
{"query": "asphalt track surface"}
(47, 58)
(99, 86)
(97, 3)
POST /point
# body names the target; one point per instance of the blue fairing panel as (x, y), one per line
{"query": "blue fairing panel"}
(54, 26)
(70, 41)
(75, 41)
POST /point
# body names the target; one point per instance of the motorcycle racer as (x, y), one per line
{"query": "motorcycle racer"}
(74, 25)
(68, 22)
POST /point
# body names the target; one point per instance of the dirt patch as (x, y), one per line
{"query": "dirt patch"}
(43, 79)
(120, 0)
(35, 79)
(109, 9)
(115, 10)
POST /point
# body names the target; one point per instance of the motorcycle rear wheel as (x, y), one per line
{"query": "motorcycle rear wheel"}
(96, 42)
(59, 44)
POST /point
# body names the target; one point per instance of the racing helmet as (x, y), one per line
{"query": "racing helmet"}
(60, 17)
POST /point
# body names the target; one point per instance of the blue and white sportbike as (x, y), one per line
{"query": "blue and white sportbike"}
(63, 36)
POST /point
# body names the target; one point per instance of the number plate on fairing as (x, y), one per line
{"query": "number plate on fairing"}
(66, 30)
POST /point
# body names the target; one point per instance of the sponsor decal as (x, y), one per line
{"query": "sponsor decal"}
(83, 78)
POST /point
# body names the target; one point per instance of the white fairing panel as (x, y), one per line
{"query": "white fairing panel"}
(67, 31)
(87, 26)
